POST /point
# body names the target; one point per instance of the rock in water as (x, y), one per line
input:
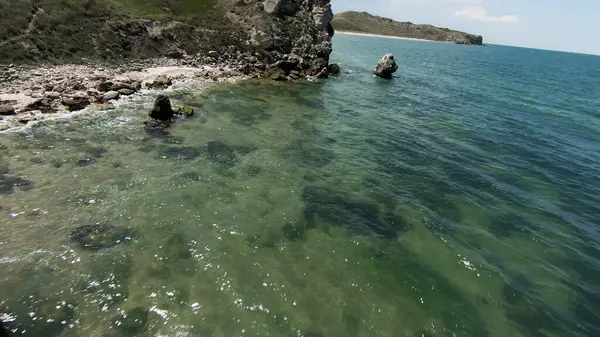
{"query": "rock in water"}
(100, 236)
(185, 110)
(162, 109)
(334, 69)
(386, 66)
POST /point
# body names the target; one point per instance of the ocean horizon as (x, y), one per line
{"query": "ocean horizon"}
(459, 198)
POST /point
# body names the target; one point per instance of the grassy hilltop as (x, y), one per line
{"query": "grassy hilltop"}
(68, 30)
(363, 22)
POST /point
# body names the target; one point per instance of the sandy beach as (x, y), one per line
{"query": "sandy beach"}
(385, 36)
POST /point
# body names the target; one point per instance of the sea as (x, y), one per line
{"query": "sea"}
(460, 198)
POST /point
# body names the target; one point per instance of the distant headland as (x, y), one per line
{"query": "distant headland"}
(363, 22)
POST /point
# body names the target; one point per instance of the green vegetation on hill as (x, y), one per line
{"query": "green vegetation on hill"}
(363, 22)
(69, 30)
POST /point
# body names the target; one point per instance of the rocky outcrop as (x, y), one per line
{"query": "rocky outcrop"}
(30, 94)
(162, 109)
(6, 110)
(161, 82)
(76, 102)
(297, 36)
(386, 66)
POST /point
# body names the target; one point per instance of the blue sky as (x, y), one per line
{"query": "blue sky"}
(569, 25)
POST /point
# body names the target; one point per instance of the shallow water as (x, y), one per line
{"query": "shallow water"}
(459, 199)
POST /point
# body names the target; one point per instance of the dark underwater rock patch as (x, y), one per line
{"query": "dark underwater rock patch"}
(45, 317)
(85, 161)
(157, 129)
(130, 323)
(252, 170)
(312, 156)
(295, 231)
(4, 169)
(340, 209)
(177, 247)
(221, 153)
(100, 236)
(181, 152)
(8, 184)
(250, 116)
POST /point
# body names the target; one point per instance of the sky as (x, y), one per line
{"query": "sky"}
(567, 25)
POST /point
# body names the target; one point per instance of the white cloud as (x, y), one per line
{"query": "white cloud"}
(478, 13)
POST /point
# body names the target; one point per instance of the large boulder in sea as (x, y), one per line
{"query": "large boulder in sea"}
(386, 66)
(162, 109)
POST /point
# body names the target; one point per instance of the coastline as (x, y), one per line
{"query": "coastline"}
(48, 92)
(385, 36)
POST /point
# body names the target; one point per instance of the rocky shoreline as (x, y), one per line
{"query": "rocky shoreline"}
(288, 40)
(36, 93)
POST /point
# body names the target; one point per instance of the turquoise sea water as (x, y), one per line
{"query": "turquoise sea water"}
(460, 198)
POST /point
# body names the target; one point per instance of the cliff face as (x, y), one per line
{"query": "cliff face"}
(63, 31)
(366, 23)
(298, 31)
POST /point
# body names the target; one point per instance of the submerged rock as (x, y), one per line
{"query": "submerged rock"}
(48, 318)
(130, 323)
(340, 209)
(81, 162)
(8, 184)
(100, 236)
(221, 152)
(386, 66)
(177, 247)
(162, 109)
(157, 129)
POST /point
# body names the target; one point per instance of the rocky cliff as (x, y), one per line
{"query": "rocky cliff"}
(363, 22)
(245, 33)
